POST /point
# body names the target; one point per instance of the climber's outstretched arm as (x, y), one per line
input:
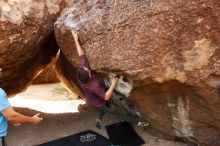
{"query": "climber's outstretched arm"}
(79, 48)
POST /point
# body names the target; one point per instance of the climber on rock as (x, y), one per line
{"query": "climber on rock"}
(93, 89)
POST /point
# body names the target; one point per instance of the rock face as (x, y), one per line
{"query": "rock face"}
(168, 50)
(27, 42)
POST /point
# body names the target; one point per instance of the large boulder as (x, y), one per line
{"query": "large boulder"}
(168, 50)
(27, 41)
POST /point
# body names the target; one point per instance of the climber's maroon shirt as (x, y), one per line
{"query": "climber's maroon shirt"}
(93, 90)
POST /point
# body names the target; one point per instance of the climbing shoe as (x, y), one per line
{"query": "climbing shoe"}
(143, 124)
(98, 124)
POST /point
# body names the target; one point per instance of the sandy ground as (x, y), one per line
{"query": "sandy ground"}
(62, 124)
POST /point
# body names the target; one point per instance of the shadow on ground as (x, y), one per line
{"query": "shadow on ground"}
(59, 125)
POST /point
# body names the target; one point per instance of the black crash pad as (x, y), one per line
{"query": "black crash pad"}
(123, 134)
(85, 138)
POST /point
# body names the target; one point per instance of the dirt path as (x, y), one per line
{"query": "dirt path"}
(59, 125)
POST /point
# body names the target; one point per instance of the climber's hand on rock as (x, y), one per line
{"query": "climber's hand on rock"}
(112, 75)
(114, 80)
